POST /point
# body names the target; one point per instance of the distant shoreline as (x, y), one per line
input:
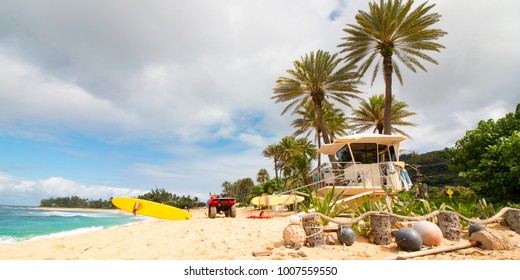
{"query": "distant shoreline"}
(79, 209)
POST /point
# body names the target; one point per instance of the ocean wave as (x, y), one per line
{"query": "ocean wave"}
(67, 214)
(68, 233)
(4, 240)
(9, 239)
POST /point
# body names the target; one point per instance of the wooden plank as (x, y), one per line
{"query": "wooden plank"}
(435, 251)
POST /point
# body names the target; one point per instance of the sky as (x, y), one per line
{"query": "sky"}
(109, 98)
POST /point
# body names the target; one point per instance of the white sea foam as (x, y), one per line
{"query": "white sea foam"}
(68, 233)
(10, 239)
(58, 213)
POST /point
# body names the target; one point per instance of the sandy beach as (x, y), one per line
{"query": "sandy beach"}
(222, 238)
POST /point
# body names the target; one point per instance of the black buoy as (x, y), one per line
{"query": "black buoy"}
(408, 239)
(346, 235)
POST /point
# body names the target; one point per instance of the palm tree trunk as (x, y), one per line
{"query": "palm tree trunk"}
(324, 131)
(387, 68)
(319, 146)
(276, 169)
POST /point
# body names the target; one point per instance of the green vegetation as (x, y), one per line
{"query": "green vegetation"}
(165, 197)
(76, 202)
(292, 160)
(434, 168)
(241, 189)
(489, 158)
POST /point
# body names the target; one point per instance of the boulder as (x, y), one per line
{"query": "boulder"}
(329, 239)
(490, 239)
(512, 217)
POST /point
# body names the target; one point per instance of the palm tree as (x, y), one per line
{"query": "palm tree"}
(317, 77)
(293, 158)
(388, 29)
(227, 189)
(288, 149)
(303, 162)
(158, 195)
(297, 156)
(243, 188)
(262, 176)
(371, 114)
(333, 118)
(272, 151)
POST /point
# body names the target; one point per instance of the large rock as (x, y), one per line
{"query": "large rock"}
(490, 239)
(512, 217)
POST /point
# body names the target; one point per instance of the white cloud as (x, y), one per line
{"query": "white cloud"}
(31, 97)
(13, 186)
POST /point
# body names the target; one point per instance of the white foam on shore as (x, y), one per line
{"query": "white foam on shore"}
(5, 240)
(12, 240)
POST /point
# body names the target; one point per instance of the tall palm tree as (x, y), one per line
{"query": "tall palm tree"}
(392, 28)
(288, 149)
(227, 189)
(273, 151)
(371, 115)
(297, 155)
(303, 162)
(315, 78)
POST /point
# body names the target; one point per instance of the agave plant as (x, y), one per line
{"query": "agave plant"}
(327, 206)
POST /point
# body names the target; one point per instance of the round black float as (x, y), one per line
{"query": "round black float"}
(346, 235)
(408, 239)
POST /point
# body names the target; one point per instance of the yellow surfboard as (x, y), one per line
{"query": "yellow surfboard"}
(150, 208)
(274, 200)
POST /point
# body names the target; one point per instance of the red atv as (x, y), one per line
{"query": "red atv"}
(219, 205)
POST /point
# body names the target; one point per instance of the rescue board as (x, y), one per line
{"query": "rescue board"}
(150, 208)
(274, 200)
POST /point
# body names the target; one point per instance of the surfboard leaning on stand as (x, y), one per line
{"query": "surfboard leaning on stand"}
(277, 199)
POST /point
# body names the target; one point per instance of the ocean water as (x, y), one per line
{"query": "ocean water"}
(19, 223)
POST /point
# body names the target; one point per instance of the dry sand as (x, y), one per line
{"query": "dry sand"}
(222, 238)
